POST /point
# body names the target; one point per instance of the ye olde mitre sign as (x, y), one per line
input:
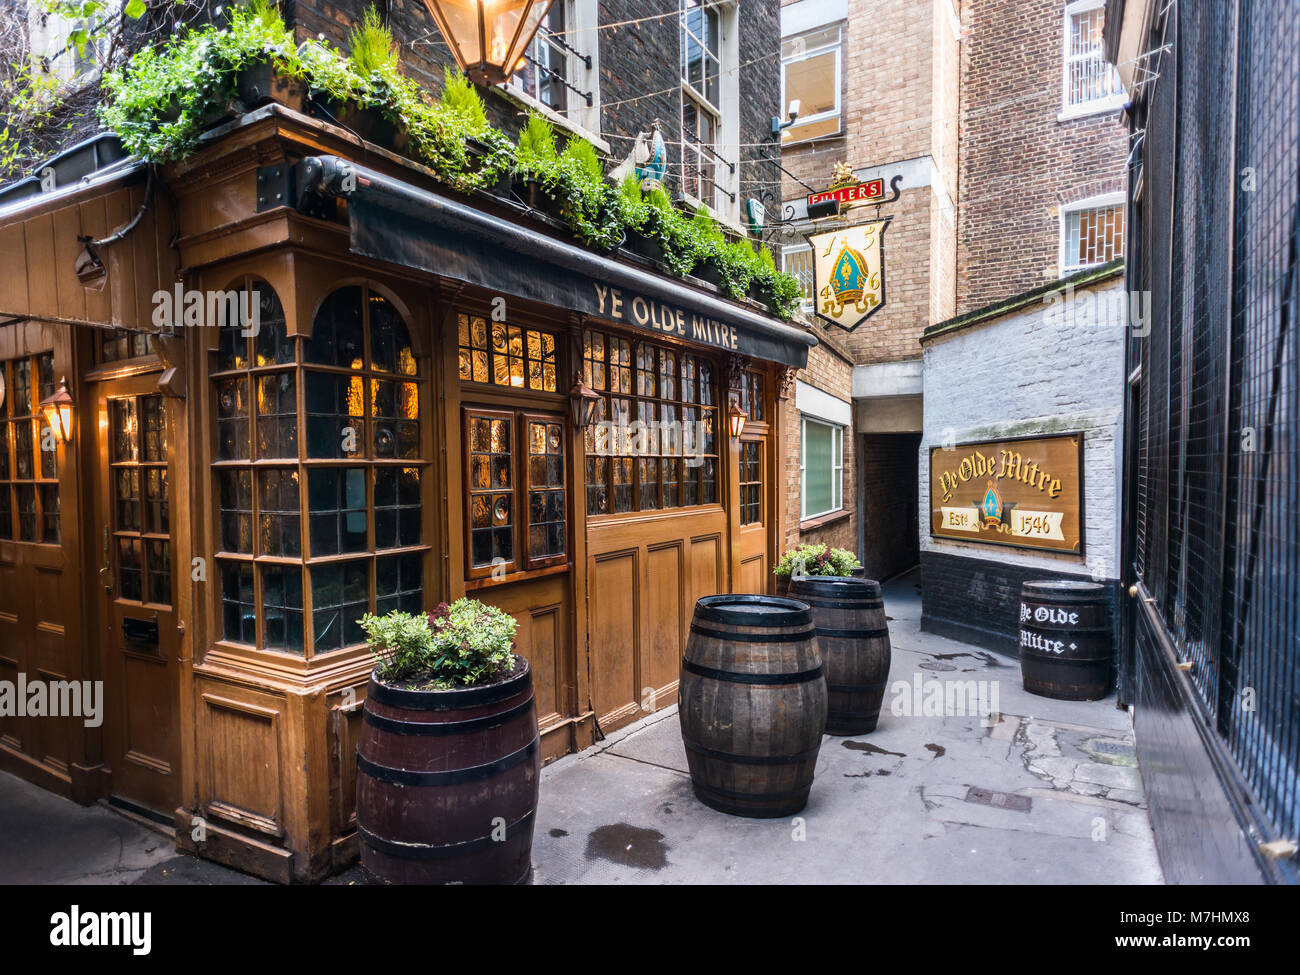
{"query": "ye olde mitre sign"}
(848, 262)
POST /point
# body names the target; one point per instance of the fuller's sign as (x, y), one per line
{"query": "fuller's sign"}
(1010, 492)
(849, 273)
(872, 191)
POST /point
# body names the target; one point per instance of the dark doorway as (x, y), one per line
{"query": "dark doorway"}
(889, 498)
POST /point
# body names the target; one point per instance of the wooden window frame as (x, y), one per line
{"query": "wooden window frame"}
(305, 563)
(522, 564)
(719, 456)
(761, 443)
(38, 480)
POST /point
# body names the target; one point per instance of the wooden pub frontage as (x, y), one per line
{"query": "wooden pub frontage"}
(384, 420)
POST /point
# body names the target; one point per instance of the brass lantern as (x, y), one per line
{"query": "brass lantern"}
(488, 38)
(736, 420)
(585, 402)
(57, 410)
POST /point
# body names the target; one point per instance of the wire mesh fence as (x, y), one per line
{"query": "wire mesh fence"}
(1216, 519)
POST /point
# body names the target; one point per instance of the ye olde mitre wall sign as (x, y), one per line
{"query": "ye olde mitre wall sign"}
(849, 261)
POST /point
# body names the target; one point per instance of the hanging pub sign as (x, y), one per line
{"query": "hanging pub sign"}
(849, 273)
(844, 193)
(1027, 493)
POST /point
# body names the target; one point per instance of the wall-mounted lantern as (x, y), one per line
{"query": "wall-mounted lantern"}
(57, 410)
(585, 401)
(488, 38)
(736, 420)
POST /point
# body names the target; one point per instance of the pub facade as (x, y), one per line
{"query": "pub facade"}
(304, 381)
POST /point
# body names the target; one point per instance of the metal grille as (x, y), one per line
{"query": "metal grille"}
(1215, 526)
(1088, 77)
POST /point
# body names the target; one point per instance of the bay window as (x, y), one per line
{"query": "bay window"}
(319, 472)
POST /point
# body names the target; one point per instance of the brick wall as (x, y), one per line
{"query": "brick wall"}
(830, 371)
(1019, 163)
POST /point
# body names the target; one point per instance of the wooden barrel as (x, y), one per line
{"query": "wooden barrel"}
(447, 782)
(752, 704)
(853, 638)
(1067, 650)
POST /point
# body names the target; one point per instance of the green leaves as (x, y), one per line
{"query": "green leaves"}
(158, 105)
(463, 644)
(135, 9)
(817, 560)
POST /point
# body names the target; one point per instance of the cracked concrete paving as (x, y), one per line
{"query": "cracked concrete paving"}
(886, 808)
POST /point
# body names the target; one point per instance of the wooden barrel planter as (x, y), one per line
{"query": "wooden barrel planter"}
(447, 782)
(1067, 650)
(752, 704)
(853, 638)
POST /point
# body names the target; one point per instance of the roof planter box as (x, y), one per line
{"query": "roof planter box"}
(397, 222)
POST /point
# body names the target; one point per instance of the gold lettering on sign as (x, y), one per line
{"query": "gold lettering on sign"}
(1026, 492)
(660, 316)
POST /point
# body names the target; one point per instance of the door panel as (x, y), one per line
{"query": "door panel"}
(136, 587)
(644, 575)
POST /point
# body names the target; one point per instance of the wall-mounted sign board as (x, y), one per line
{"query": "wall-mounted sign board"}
(1026, 492)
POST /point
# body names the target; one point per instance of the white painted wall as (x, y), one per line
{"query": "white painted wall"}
(1035, 372)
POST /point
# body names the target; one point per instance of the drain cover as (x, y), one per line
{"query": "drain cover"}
(1113, 748)
(930, 665)
(1000, 800)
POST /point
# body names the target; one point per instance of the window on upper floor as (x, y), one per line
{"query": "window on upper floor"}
(1092, 232)
(810, 72)
(798, 260)
(709, 103)
(558, 72)
(1091, 84)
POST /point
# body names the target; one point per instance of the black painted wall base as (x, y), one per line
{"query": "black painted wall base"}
(977, 600)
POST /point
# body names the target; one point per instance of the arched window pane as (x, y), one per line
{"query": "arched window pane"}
(390, 342)
(337, 338)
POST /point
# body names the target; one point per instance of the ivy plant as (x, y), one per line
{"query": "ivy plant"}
(160, 101)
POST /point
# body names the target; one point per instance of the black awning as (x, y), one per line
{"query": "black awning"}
(402, 224)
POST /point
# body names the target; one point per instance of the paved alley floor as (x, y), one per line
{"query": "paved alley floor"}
(1050, 794)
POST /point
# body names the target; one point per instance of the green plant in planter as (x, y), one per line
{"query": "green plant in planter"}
(460, 645)
(536, 157)
(371, 48)
(588, 201)
(738, 265)
(816, 560)
(159, 101)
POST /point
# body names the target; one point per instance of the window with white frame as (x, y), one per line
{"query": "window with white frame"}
(558, 69)
(708, 82)
(810, 72)
(1091, 84)
(1092, 232)
(798, 261)
(821, 468)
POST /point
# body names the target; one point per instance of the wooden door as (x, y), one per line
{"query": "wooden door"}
(753, 516)
(136, 587)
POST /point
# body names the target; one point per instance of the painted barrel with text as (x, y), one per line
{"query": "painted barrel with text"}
(853, 638)
(447, 782)
(752, 704)
(1067, 649)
